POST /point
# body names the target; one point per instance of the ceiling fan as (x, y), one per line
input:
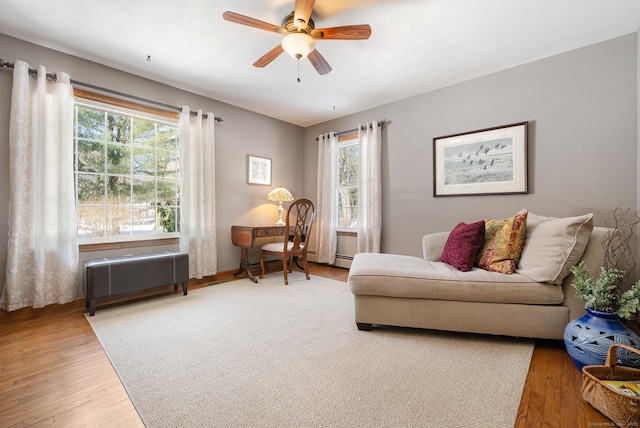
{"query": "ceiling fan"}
(300, 35)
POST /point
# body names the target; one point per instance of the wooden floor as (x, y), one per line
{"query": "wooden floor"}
(53, 371)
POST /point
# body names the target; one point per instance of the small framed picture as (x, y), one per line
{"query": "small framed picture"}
(484, 162)
(258, 170)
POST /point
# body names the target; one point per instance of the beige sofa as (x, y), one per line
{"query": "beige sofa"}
(536, 301)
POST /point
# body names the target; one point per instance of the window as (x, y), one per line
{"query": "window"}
(347, 182)
(126, 169)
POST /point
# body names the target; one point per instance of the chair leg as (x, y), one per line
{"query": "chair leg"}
(284, 270)
(262, 265)
(290, 265)
(306, 267)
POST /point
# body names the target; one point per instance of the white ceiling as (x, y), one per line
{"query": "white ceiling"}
(416, 45)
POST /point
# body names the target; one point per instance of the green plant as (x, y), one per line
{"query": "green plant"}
(604, 294)
(620, 250)
(168, 216)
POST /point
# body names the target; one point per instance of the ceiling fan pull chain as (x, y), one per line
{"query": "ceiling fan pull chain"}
(298, 56)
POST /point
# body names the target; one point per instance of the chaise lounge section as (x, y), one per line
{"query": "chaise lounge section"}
(535, 301)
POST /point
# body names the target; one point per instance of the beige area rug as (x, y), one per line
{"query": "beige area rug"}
(240, 354)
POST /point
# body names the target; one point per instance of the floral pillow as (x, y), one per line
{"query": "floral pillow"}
(462, 245)
(503, 243)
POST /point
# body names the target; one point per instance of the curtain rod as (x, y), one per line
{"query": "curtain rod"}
(380, 123)
(111, 91)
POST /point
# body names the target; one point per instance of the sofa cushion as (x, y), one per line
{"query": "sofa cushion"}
(463, 243)
(553, 246)
(503, 242)
(392, 275)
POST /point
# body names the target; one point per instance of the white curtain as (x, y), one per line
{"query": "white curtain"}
(42, 251)
(369, 188)
(326, 205)
(198, 194)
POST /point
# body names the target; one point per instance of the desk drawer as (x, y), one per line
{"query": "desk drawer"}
(276, 231)
(242, 237)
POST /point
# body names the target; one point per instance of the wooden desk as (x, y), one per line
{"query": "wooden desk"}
(244, 237)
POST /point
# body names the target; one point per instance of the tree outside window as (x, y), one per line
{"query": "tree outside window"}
(347, 184)
(127, 172)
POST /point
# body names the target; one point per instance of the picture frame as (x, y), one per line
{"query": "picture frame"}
(489, 161)
(258, 170)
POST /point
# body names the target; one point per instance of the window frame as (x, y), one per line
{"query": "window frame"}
(122, 241)
(344, 141)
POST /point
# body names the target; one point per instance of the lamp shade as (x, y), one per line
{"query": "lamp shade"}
(298, 45)
(280, 194)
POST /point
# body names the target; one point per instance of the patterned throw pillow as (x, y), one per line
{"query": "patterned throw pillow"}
(462, 245)
(503, 242)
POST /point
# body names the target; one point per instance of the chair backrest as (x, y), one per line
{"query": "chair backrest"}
(300, 216)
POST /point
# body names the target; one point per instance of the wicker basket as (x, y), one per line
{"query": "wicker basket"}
(620, 408)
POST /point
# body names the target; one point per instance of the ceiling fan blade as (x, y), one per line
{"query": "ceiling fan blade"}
(268, 57)
(319, 63)
(252, 22)
(348, 32)
(302, 13)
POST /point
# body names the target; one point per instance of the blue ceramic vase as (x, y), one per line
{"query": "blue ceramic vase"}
(589, 337)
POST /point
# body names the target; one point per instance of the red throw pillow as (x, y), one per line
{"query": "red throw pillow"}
(463, 244)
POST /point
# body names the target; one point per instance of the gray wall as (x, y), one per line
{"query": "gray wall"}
(581, 107)
(242, 132)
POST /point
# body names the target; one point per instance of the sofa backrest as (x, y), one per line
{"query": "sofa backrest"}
(593, 257)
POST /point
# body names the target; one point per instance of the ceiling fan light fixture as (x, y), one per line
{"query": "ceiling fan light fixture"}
(298, 45)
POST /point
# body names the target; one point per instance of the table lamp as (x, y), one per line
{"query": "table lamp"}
(280, 195)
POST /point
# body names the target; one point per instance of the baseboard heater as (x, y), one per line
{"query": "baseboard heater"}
(118, 275)
(342, 260)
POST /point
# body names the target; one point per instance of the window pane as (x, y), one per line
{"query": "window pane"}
(90, 156)
(348, 207)
(119, 128)
(118, 190)
(167, 137)
(144, 220)
(91, 221)
(118, 220)
(352, 158)
(347, 217)
(144, 191)
(168, 164)
(348, 165)
(118, 159)
(167, 191)
(144, 132)
(144, 161)
(342, 217)
(90, 189)
(343, 167)
(91, 123)
(168, 218)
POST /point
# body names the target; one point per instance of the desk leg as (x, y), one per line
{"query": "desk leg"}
(244, 265)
